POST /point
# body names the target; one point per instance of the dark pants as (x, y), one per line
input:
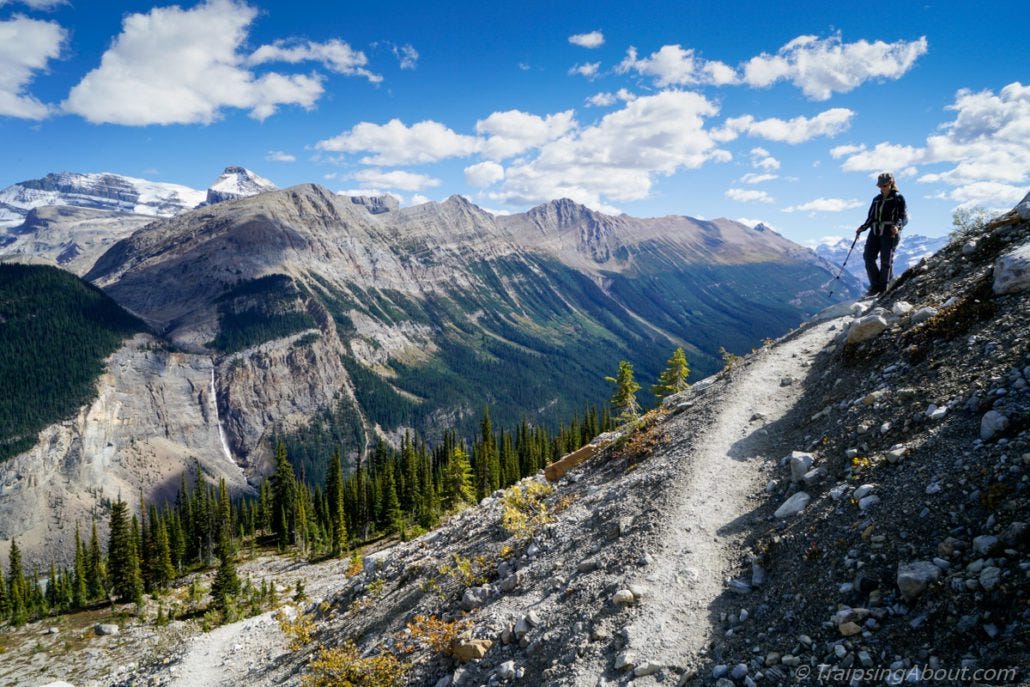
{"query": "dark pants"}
(879, 248)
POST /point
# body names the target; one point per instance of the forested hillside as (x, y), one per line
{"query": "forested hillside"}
(55, 331)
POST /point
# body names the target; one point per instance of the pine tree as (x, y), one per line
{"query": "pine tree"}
(624, 399)
(17, 587)
(674, 378)
(122, 560)
(284, 499)
(80, 585)
(226, 584)
(162, 570)
(393, 517)
(458, 489)
(5, 597)
(334, 503)
(96, 573)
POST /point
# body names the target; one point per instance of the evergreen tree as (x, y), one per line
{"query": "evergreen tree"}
(122, 560)
(227, 583)
(624, 399)
(17, 588)
(284, 499)
(334, 499)
(5, 597)
(162, 570)
(674, 378)
(96, 573)
(80, 585)
(393, 518)
(458, 489)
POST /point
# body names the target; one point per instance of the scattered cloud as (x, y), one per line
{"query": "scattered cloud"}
(36, 4)
(588, 70)
(762, 159)
(751, 222)
(406, 56)
(674, 66)
(986, 148)
(796, 130)
(513, 132)
(176, 66)
(594, 39)
(399, 179)
(822, 67)
(752, 178)
(825, 205)
(748, 195)
(335, 55)
(618, 158)
(26, 47)
(484, 174)
(419, 199)
(280, 156)
(395, 143)
(606, 99)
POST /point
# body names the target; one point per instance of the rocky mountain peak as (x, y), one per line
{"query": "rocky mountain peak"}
(237, 182)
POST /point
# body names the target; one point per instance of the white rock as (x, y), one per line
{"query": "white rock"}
(991, 423)
(623, 597)
(800, 463)
(935, 413)
(863, 491)
(866, 328)
(838, 492)
(107, 629)
(913, 578)
(794, 505)
(646, 668)
(506, 670)
(625, 661)
(901, 308)
(923, 314)
(858, 308)
(969, 247)
(1012, 271)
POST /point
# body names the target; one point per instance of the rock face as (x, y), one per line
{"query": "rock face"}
(155, 419)
(237, 182)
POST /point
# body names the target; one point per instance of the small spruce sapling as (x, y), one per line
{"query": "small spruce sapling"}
(624, 399)
(674, 378)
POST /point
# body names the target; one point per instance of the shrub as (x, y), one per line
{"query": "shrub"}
(298, 630)
(468, 572)
(524, 509)
(343, 666)
(436, 634)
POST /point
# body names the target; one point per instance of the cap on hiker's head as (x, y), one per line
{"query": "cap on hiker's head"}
(884, 179)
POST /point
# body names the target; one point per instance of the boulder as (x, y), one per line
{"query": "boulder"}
(866, 328)
(470, 649)
(914, 578)
(800, 463)
(107, 629)
(794, 505)
(1012, 271)
(991, 423)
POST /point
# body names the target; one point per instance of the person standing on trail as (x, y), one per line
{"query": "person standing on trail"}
(887, 215)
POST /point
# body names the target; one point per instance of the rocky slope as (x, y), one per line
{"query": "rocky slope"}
(849, 498)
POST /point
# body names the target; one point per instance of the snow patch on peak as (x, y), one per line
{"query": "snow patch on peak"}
(237, 182)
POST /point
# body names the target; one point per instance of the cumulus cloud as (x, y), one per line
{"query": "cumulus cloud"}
(825, 205)
(26, 46)
(594, 39)
(674, 66)
(796, 130)
(822, 67)
(175, 66)
(618, 158)
(605, 99)
(762, 159)
(280, 156)
(395, 143)
(588, 70)
(986, 149)
(399, 179)
(513, 132)
(419, 199)
(748, 196)
(335, 55)
(36, 4)
(484, 174)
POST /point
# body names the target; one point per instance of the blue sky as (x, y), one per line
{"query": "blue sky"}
(778, 112)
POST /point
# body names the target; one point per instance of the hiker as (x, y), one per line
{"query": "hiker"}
(887, 215)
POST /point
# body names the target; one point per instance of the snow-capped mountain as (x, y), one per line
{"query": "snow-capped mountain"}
(100, 191)
(911, 250)
(237, 182)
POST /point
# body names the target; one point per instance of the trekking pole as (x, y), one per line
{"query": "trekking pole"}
(845, 263)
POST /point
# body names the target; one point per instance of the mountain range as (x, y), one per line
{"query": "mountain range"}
(911, 249)
(331, 322)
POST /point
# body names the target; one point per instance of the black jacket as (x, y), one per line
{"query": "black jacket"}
(886, 211)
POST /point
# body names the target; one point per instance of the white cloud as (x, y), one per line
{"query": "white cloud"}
(36, 4)
(419, 199)
(484, 174)
(825, 205)
(280, 156)
(589, 70)
(752, 178)
(594, 39)
(748, 196)
(335, 55)
(618, 158)
(761, 159)
(842, 151)
(399, 179)
(796, 130)
(823, 67)
(26, 46)
(175, 66)
(406, 56)
(751, 222)
(513, 132)
(986, 147)
(395, 143)
(606, 99)
(674, 66)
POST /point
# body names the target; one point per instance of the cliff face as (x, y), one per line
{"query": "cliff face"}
(155, 418)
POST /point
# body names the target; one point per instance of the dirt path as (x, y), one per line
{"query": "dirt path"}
(725, 465)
